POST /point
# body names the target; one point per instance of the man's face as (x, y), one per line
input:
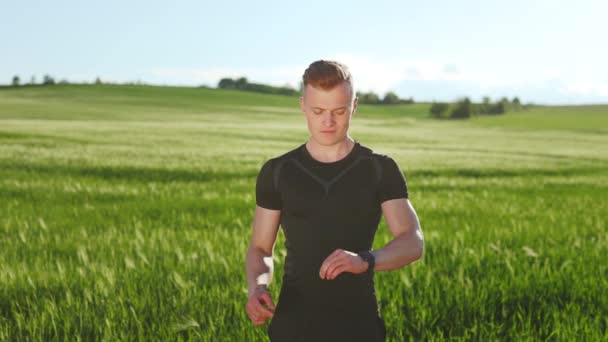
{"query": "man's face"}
(328, 112)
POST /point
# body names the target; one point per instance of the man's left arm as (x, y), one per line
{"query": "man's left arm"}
(407, 245)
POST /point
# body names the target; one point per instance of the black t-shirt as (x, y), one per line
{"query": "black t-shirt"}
(325, 206)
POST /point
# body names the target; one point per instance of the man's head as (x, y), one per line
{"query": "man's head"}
(328, 101)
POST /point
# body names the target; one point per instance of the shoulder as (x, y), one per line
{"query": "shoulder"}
(377, 155)
(271, 164)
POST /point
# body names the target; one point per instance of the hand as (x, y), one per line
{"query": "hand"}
(342, 261)
(255, 310)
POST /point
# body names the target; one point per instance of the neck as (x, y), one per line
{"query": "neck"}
(330, 153)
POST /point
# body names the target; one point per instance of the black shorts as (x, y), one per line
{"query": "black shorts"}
(296, 319)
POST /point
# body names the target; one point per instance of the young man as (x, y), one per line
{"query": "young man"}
(328, 194)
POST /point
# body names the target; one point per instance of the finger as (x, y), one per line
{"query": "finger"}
(250, 309)
(328, 261)
(252, 313)
(335, 270)
(259, 322)
(338, 270)
(261, 318)
(267, 299)
(335, 262)
(256, 320)
(333, 255)
(252, 306)
(329, 265)
(260, 310)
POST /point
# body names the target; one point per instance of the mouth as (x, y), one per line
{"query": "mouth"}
(328, 132)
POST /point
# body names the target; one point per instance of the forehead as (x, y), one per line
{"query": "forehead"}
(338, 96)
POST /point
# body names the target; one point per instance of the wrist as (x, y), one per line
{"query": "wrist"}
(261, 287)
(370, 259)
(257, 288)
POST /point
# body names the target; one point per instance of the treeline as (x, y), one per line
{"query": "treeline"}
(50, 80)
(241, 83)
(46, 80)
(465, 108)
(389, 98)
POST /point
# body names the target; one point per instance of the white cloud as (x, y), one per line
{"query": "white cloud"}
(382, 75)
(584, 87)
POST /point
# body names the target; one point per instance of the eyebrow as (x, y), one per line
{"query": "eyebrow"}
(343, 107)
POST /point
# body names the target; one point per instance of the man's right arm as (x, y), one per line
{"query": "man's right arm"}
(259, 263)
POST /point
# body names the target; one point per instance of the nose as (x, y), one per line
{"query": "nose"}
(328, 119)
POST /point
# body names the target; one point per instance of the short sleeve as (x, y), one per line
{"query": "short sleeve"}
(392, 183)
(266, 195)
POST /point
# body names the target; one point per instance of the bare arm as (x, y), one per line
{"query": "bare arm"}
(406, 247)
(259, 261)
(408, 243)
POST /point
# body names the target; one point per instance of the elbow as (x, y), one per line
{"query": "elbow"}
(414, 250)
(418, 250)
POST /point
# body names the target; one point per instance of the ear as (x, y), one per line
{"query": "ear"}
(302, 104)
(355, 103)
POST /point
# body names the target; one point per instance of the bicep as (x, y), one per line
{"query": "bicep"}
(400, 216)
(265, 228)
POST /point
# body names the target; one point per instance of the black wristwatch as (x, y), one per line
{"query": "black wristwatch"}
(371, 261)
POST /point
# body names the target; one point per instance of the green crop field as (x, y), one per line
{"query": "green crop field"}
(125, 214)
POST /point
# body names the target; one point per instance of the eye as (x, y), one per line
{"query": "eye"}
(317, 111)
(340, 112)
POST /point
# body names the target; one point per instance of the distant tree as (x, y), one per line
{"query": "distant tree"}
(475, 109)
(506, 103)
(33, 80)
(226, 83)
(485, 106)
(241, 83)
(285, 90)
(407, 101)
(462, 109)
(48, 80)
(499, 108)
(368, 98)
(64, 81)
(515, 103)
(439, 109)
(16, 81)
(390, 98)
(98, 80)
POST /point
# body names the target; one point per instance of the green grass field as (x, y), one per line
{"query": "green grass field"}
(125, 214)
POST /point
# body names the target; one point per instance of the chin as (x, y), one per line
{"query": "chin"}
(328, 140)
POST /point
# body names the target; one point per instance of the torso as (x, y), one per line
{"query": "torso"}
(326, 206)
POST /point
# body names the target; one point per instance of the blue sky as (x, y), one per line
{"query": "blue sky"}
(544, 51)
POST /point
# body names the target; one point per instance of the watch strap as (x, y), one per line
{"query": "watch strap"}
(371, 260)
